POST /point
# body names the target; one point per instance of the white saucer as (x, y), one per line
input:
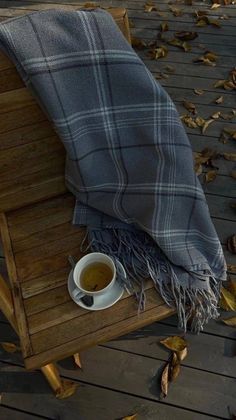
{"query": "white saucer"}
(100, 301)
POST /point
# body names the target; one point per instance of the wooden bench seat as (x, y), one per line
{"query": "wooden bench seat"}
(38, 236)
(41, 236)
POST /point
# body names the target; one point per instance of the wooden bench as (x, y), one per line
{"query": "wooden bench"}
(37, 235)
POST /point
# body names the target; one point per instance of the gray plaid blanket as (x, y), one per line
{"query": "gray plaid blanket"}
(129, 161)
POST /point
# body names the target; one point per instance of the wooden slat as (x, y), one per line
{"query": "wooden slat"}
(31, 158)
(27, 134)
(106, 403)
(9, 80)
(209, 353)
(18, 301)
(195, 389)
(91, 322)
(15, 99)
(102, 334)
(44, 283)
(21, 117)
(8, 413)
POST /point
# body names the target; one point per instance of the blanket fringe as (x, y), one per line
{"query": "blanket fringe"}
(142, 259)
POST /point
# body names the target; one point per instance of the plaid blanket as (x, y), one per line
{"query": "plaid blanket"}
(129, 161)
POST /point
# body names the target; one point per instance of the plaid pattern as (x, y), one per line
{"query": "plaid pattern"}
(129, 161)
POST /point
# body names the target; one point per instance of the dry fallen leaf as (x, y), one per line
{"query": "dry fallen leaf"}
(230, 156)
(90, 5)
(200, 121)
(138, 43)
(174, 343)
(132, 417)
(176, 11)
(230, 132)
(215, 6)
(170, 69)
(216, 115)
(189, 121)
(206, 125)
(227, 300)
(164, 26)
(149, 7)
(177, 43)
(159, 52)
(230, 321)
(232, 287)
(77, 360)
(10, 347)
(200, 13)
(219, 100)
(186, 35)
(210, 176)
(208, 58)
(190, 107)
(231, 246)
(174, 367)
(198, 91)
(182, 354)
(232, 267)
(165, 380)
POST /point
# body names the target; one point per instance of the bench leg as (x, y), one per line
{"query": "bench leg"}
(6, 303)
(63, 388)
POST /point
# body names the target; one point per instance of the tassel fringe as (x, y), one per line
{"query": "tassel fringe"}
(142, 259)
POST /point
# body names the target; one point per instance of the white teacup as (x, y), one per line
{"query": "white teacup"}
(84, 262)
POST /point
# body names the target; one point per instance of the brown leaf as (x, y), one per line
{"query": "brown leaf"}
(232, 287)
(67, 389)
(176, 11)
(186, 35)
(227, 300)
(231, 245)
(132, 417)
(219, 100)
(232, 267)
(77, 360)
(201, 22)
(209, 58)
(90, 5)
(149, 7)
(230, 132)
(138, 43)
(165, 380)
(189, 121)
(228, 116)
(214, 22)
(215, 6)
(190, 107)
(216, 115)
(161, 75)
(174, 371)
(198, 91)
(200, 121)
(170, 69)
(10, 347)
(182, 354)
(230, 156)
(210, 176)
(174, 343)
(159, 52)
(201, 13)
(206, 125)
(186, 47)
(164, 26)
(230, 321)
(233, 174)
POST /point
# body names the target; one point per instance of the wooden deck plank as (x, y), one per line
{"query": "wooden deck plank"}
(202, 391)
(7, 413)
(212, 354)
(32, 394)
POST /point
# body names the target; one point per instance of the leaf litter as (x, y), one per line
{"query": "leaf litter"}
(171, 371)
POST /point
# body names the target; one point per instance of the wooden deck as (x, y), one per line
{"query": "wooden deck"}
(121, 377)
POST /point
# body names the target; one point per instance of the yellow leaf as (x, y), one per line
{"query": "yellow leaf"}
(67, 389)
(189, 106)
(200, 121)
(188, 121)
(210, 176)
(165, 380)
(77, 360)
(215, 5)
(219, 100)
(182, 354)
(138, 43)
(216, 115)
(132, 417)
(230, 321)
(228, 300)
(176, 11)
(219, 83)
(10, 347)
(164, 26)
(198, 91)
(158, 52)
(174, 343)
(149, 7)
(230, 156)
(232, 287)
(206, 125)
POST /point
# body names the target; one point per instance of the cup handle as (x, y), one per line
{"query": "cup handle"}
(77, 294)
